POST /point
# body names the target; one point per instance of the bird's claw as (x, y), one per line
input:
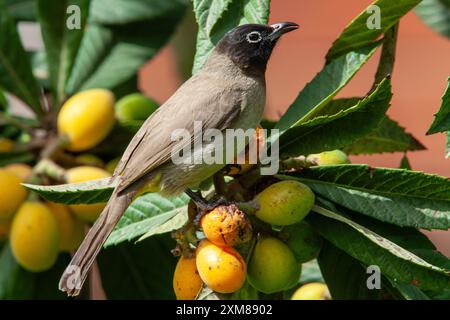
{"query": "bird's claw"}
(203, 205)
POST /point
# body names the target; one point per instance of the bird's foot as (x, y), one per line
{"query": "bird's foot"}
(204, 205)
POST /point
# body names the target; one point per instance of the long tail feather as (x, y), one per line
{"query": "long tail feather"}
(78, 269)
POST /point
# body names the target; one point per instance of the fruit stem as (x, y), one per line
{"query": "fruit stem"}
(249, 179)
(34, 144)
(298, 163)
(33, 179)
(49, 168)
(33, 197)
(7, 119)
(238, 189)
(219, 183)
(54, 145)
(189, 233)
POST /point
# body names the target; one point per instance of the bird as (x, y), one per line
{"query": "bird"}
(228, 92)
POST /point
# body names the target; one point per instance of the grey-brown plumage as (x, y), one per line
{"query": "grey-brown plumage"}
(228, 92)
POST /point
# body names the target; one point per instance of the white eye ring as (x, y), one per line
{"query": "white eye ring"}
(253, 33)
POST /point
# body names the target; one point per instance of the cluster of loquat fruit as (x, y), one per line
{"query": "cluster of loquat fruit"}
(276, 250)
(39, 230)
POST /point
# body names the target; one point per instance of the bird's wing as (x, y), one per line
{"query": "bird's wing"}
(217, 105)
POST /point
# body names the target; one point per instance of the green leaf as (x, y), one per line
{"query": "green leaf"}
(216, 17)
(208, 12)
(436, 14)
(387, 137)
(336, 106)
(93, 191)
(447, 144)
(109, 56)
(61, 43)
(127, 87)
(397, 196)
(46, 287)
(15, 157)
(116, 142)
(372, 249)
(246, 292)
(22, 10)
(439, 295)
(407, 237)
(329, 132)
(95, 46)
(111, 12)
(146, 214)
(358, 34)
(405, 291)
(174, 223)
(17, 283)
(16, 76)
(410, 239)
(345, 276)
(141, 271)
(40, 68)
(441, 121)
(207, 294)
(404, 163)
(183, 44)
(149, 214)
(326, 84)
(311, 272)
(3, 101)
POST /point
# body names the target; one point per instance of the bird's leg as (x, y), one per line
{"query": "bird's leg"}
(219, 183)
(204, 205)
(197, 198)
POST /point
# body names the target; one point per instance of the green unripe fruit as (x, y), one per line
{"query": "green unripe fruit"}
(329, 158)
(273, 266)
(284, 203)
(304, 242)
(90, 160)
(135, 106)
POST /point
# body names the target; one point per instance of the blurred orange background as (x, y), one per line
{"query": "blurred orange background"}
(419, 78)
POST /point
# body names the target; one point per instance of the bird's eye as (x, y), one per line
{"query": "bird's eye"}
(254, 37)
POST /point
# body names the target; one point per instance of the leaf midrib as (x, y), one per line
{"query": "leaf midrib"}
(370, 235)
(371, 191)
(387, 140)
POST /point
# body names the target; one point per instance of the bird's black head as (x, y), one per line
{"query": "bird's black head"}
(250, 45)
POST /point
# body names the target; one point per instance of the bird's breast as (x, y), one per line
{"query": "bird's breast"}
(252, 106)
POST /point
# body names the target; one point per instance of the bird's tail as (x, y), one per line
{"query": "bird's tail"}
(78, 269)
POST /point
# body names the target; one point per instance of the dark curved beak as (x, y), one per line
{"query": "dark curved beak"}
(281, 28)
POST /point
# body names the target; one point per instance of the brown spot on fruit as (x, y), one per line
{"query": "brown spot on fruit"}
(186, 279)
(226, 226)
(230, 271)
